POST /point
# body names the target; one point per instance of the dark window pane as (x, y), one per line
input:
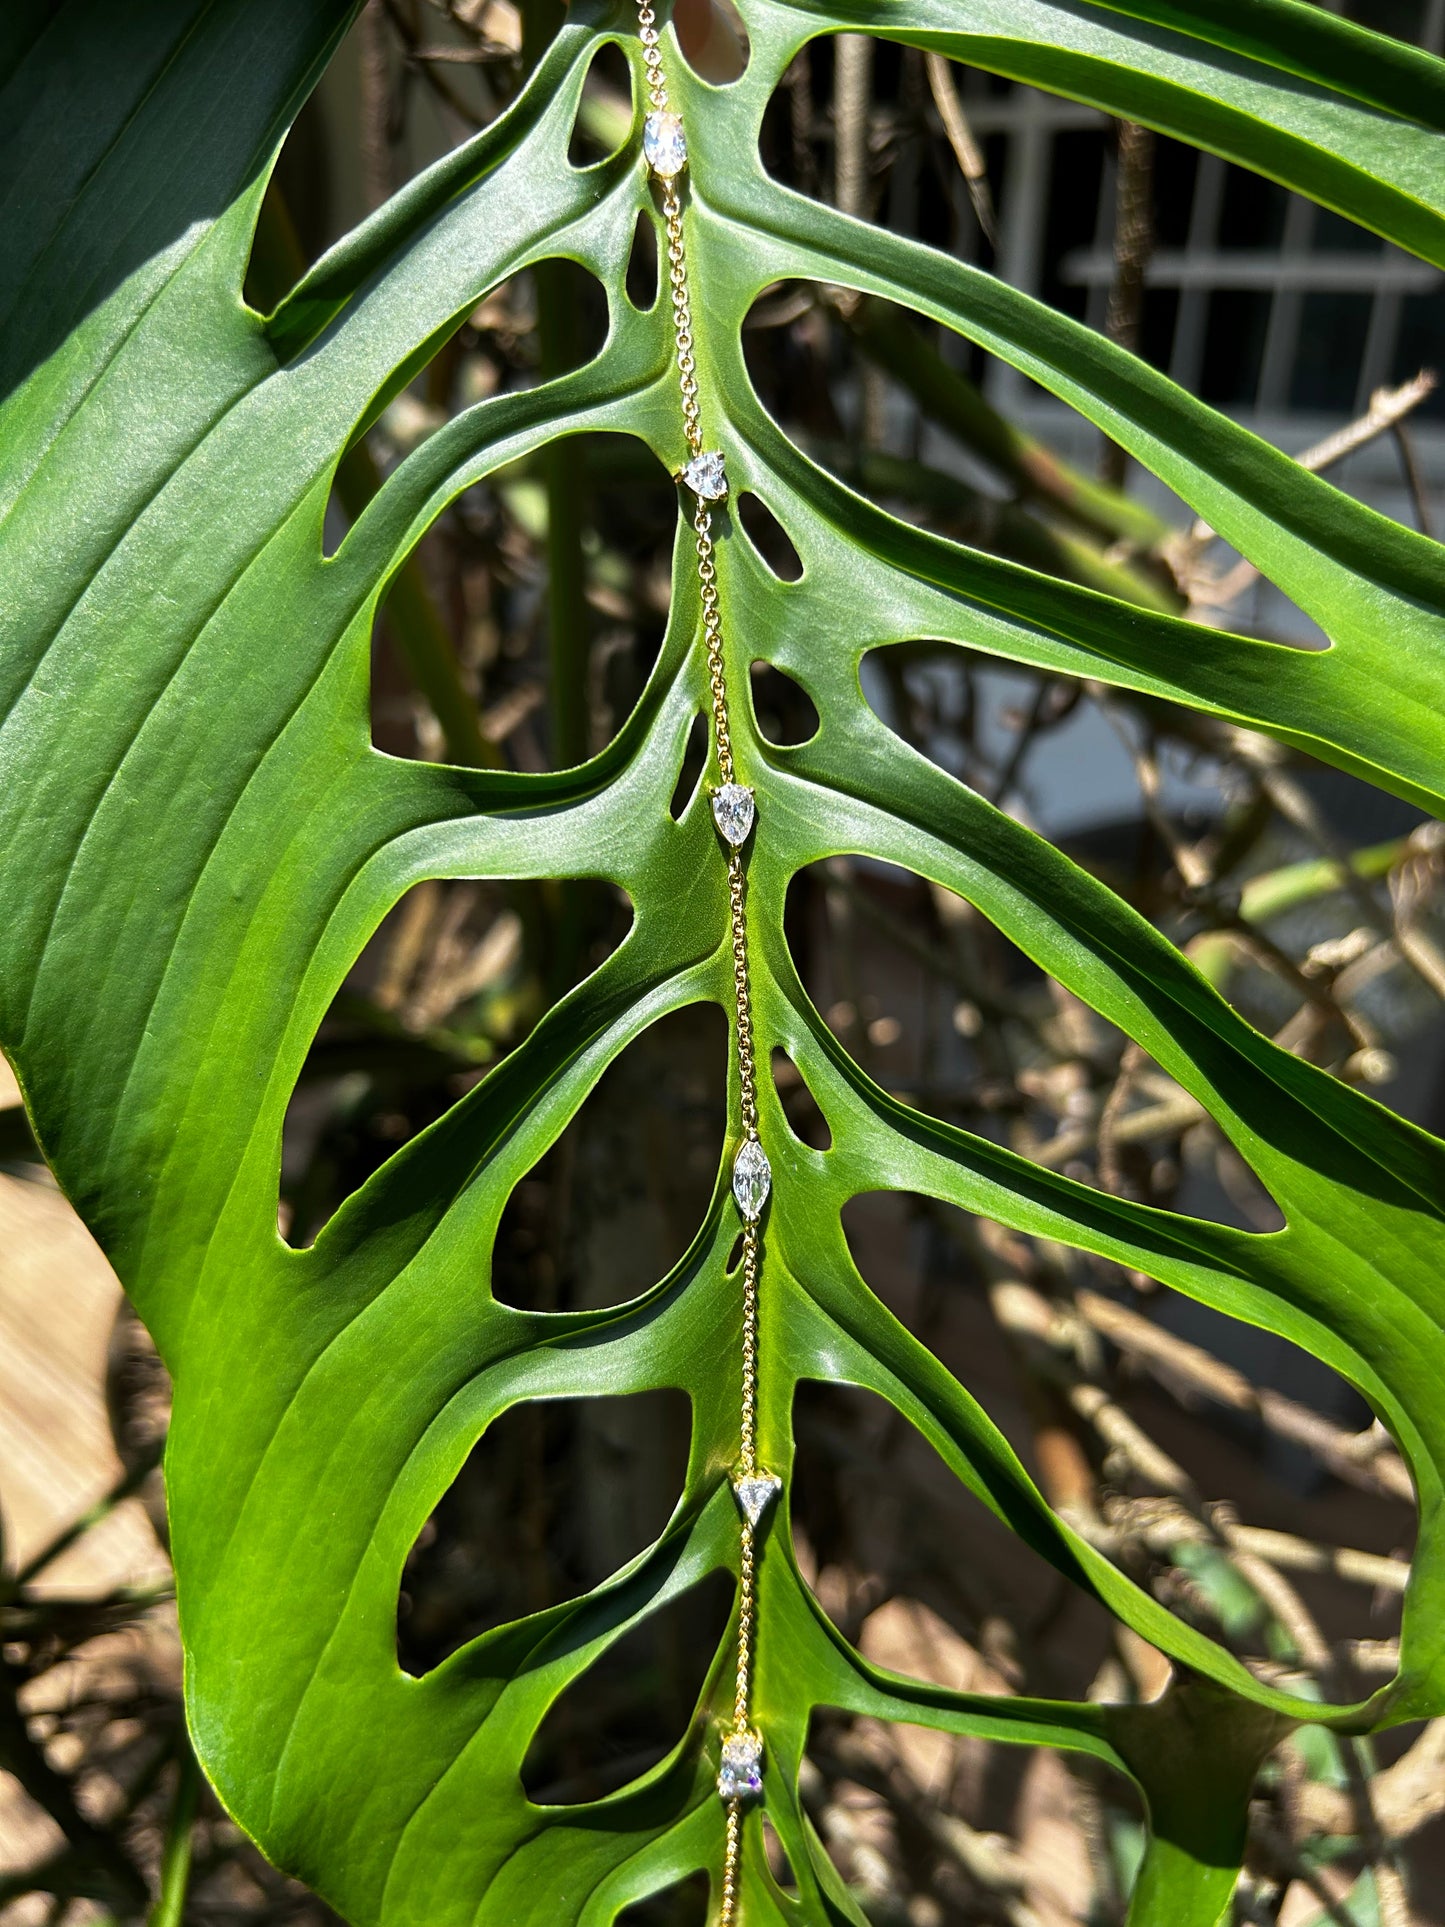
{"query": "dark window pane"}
(1421, 344)
(1253, 212)
(1335, 235)
(1331, 344)
(1175, 168)
(1403, 18)
(1156, 327)
(1233, 346)
(1073, 206)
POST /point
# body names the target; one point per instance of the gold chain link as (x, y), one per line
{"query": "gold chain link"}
(652, 57)
(732, 1865)
(681, 299)
(682, 316)
(717, 682)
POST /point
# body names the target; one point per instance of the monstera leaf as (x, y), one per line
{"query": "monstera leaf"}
(198, 839)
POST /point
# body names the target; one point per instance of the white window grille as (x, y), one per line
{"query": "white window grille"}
(1307, 314)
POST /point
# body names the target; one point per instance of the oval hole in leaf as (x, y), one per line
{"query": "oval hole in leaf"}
(930, 448)
(914, 1569)
(615, 1203)
(442, 994)
(633, 1704)
(769, 537)
(785, 712)
(944, 1010)
(556, 1496)
(487, 348)
(694, 761)
(1041, 747)
(603, 125)
(805, 1119)
(1020, 1324)
(1260, 1460)
(712, 39)
(475, 599)
(786, 350)
(685, 1905)
(779, 1865)
(642, 265)
(1031, 1804)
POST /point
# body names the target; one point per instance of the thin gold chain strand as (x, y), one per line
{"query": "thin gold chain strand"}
(682, 316)
(732, 1864)
(740, 1774)
(717, 681)
(652, 57)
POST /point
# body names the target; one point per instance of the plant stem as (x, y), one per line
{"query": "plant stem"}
(999, 527)
(1133, 246)
(951, 401)
(1213, 952)
(1280, 890)
(966, 150)
(169, 1910)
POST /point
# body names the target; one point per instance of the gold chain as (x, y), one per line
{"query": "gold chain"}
(733, 805)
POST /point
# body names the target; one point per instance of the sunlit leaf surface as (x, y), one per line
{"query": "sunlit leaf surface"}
(198, 838)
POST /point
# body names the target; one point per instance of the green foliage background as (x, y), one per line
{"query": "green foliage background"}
(197, 838)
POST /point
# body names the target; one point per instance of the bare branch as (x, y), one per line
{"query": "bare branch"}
(966, 150)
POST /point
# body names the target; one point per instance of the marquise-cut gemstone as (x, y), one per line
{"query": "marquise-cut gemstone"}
(755, 1492)
(733, 810)
(665, 145)
(707, 476)
(741, 1773)
(752, 1179)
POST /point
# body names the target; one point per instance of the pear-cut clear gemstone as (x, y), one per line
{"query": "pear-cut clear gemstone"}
(733, 810)
(707, 476)
(741, 1773)
(755, 1492)
(665, 145)
(752, 1179)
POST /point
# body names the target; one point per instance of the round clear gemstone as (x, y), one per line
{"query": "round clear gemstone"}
(752, 1179)
(665, 145)
(733, 810)
(707, 476)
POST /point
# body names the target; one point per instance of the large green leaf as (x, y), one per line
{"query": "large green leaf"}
(198, 839)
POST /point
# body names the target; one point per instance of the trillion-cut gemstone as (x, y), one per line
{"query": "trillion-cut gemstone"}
(741, 1773)
(733, 810)
(707, 476)
(755, 1492)
(752, 1179)
(665, 145)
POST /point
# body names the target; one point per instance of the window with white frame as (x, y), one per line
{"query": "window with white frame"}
(1276, 311)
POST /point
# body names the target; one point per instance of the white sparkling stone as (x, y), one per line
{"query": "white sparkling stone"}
(741, 1773)
(707, 476)
(752, 1179)
(755, 1492)
(733, 810)
(665, 145)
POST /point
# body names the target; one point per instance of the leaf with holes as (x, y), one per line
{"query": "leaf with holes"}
(198, 838)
